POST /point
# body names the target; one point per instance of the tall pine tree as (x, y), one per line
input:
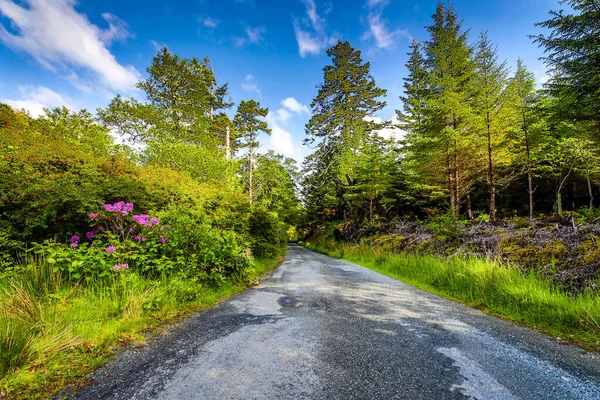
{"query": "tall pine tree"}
(492, 108)
(346, 100)
(450, 75)
(249, 122)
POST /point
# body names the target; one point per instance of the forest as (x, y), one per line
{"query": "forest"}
(489, 194)
(115, 222)
(488, 161)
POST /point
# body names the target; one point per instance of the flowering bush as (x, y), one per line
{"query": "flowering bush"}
(118, 240)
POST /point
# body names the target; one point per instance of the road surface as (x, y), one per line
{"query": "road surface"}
(321, 328)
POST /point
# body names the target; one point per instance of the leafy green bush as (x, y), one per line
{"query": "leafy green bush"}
(446, 227)
(267, 234)
(202, 250)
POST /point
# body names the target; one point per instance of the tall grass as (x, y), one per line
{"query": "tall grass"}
(493, 287)
(53, 332)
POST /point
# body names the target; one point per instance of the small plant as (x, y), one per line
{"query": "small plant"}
(446, 227)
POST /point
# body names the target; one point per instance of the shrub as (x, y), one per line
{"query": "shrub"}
(268, 237)
(446, 227)
(202, 250)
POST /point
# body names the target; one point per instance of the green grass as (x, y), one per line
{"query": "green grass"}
(489, 286)
(53, 334)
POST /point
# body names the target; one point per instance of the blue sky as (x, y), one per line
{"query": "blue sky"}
(82, 53)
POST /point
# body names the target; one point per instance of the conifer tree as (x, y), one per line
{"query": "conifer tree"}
(249, 125)
(492, 108)
(572, 51)
(346, 99)
(413, 116)
(527, 138)
(450, 74)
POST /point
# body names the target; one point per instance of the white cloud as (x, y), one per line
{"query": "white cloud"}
(295, 106)
(58, 37)
(310, 32)
(208, 22)
(250, 85)
(292, 107)
(311, 11)
(157, 46)
(117, 29)
(35, 98)
(253, 35)
(378, 29)
(281, 140)
(392, 131)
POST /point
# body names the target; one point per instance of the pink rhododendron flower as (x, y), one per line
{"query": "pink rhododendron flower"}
(93, 215)
(119, 267)
(74, 239)
(110, 249)
(74, 244)
(162, 239)
(141, 219)
(90, 234)
(138, 238)
(154, 221)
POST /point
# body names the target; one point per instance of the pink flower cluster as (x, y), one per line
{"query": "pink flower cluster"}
(74, 241)
(120, 207)
(144, 219)
(110, 249)
(119, 267)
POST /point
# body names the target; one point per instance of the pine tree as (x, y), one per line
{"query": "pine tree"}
(450, 75)
(249, 125)
(492, 108)
(524, 101)
(346, 99)
(371, 194)
(572, 51)
(178, 88)
(416, 91)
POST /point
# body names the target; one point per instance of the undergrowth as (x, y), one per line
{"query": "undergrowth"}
(53, 333)
(498, 289)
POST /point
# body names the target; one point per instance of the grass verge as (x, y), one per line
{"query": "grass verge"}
(53, 334)
(496, 289)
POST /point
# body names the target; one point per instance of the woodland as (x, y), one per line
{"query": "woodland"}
(115, 222)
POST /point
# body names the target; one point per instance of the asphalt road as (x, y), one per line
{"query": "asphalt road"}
(321, 328)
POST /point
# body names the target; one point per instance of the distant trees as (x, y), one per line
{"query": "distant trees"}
(340, 125)
(476, 132)
(249, 124)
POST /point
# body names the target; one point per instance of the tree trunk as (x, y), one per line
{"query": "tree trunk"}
(250, 167)
(530, 189)
(591, 193)
(227, 145)
(451, 185)
(456, 194)
(469, 209)
(491, 172)
(559, 204)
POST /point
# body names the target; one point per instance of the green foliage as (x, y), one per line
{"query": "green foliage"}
(444, 226)
(268, 237)
(276, 178)
(342, 119)
(249, 125)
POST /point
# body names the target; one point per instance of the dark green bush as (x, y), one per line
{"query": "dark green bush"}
(267, 234)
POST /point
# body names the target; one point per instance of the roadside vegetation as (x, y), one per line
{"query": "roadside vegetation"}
(101, 244)
(490, 194)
